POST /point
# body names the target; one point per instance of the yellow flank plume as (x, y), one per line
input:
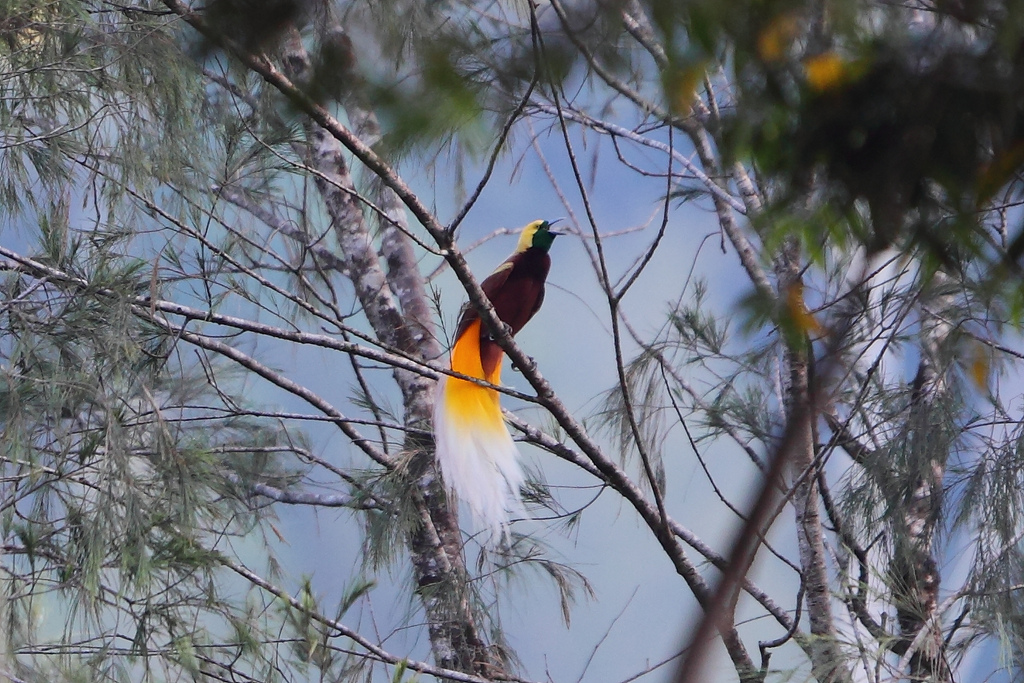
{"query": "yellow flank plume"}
(466, 403)
(477, 455)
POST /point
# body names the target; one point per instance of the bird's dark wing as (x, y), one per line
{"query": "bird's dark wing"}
(491, 285)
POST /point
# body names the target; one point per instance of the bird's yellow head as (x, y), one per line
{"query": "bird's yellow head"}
(537, 234)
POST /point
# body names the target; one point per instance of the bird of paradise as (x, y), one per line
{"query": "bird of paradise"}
(479, 460)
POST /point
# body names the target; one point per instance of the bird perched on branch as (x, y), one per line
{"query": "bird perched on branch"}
(478, 458)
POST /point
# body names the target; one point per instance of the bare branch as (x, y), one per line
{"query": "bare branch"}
(340, 630)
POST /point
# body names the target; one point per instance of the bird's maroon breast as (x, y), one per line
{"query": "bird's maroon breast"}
(516, 299)
(519, 297)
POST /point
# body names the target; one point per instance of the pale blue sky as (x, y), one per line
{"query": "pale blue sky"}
(643, 606)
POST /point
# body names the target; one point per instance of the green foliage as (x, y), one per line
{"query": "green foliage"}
(866, 128)
(118, 487)
(143, 168)
(635, 415)
(123, 481)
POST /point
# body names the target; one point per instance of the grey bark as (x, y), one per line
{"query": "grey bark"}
(915, 570)
(827, 658)
(395, 305)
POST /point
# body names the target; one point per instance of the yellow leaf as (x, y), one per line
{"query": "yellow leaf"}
(681, 86)
(774, 39)
(980, 365)
(798, 312)
(825, 71)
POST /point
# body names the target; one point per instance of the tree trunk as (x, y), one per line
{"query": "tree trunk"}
(915, 570)
(827, 659)
(435, 542)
